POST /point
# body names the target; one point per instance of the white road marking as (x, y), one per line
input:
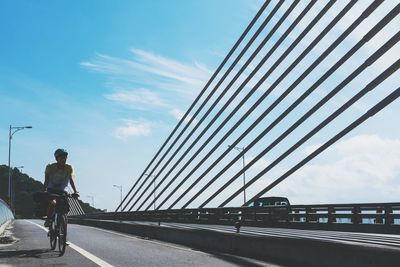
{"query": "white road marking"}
(80, 250)
(90, 256)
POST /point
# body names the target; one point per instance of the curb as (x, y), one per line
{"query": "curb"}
(4, 226)
(286, 251)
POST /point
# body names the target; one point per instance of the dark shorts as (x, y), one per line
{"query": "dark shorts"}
(41, 201)
(62, 202)
(56, 192)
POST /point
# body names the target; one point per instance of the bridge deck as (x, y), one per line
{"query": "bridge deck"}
(364, 239)
(90, 246)
(284, 246)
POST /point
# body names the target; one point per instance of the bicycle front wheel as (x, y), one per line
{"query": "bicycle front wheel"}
(53, 236)
(62, 238)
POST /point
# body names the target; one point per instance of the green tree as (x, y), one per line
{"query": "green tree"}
(24, 186)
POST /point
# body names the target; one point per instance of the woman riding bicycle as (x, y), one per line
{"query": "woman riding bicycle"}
(57, 176)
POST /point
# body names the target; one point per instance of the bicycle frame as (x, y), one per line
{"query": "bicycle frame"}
(58, 223)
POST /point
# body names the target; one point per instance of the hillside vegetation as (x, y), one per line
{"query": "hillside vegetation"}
(24, 187)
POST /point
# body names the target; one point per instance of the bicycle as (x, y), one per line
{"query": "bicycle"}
(58, 222)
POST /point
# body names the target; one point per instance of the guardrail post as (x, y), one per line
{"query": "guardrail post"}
(356, 215)
(388, 215)
(331, 212)
(159, 216)
(237, 226)
(308, 211)
(295, 218)
(379, 219)
(193, 216)
(214, 217)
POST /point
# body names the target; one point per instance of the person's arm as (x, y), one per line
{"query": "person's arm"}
(46, 180)
(72, 183)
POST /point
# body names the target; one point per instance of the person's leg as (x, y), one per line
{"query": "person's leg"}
(50, 211)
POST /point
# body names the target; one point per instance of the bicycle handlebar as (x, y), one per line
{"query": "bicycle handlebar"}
(74, 195)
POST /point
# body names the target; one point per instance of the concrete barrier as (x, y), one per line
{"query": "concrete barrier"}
(6, 215)
(3, 226)
(286, 251)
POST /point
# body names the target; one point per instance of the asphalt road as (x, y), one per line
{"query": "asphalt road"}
(360, 239)
(90, 246)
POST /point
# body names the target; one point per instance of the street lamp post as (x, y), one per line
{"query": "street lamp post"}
(240, 149)
(154, 184)
(92, 197)
(13, 187)
(120, 193)
(13, 130)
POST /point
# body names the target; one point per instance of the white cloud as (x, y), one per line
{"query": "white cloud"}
(364, 168)
(260, 164)
(169, 68)
(178, 114)
(371, 46)
(140, 99)
(159, 82)
(255, 6)
(153, 70)
(311, 148)
(135, 128)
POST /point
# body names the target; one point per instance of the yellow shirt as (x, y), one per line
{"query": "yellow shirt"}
(58, 176)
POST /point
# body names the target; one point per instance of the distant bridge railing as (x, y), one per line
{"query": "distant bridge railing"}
(367, 217)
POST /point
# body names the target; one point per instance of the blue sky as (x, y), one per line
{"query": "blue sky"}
(109, 81)
(45, 83)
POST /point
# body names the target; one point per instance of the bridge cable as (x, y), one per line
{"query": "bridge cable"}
(365, 14)
(394, 67)
(76, 204)
(229, 101)
(374, 110)
(282, 57)
(196, 100)
(217, 100)
(233, 128)
(222, 94)
(367, 37)
(208, 98)
(372, 58)
(270, 52)
(254, 20)
(73, 208)
(79, 206)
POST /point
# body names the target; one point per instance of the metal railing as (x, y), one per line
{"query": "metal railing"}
(5, 212)
(366, 217)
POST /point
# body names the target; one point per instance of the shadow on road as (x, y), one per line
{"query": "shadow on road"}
(237, 260)
(249, 262)
(34, 253)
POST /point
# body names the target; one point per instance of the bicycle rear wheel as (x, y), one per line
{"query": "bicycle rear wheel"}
(62, 237)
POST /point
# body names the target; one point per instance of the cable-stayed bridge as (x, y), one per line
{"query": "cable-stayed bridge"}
(301, 74)
(283, 82)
